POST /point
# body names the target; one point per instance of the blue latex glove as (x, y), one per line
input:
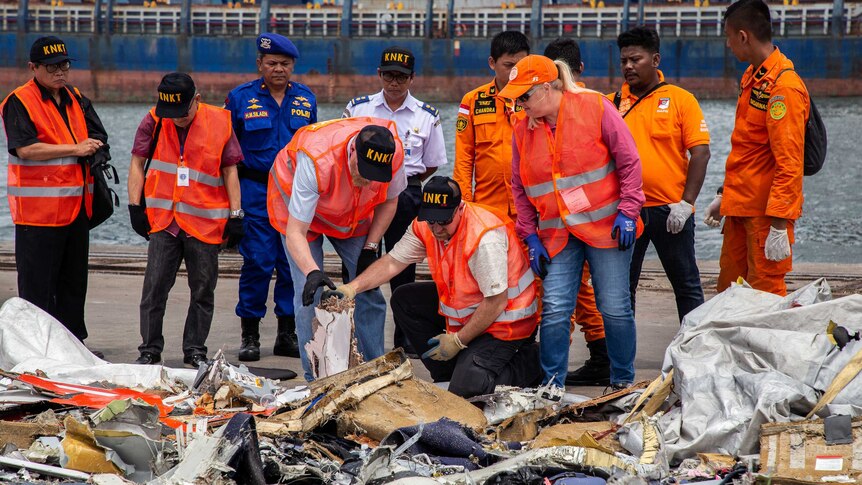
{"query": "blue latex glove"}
(624, 231)
(538, 255)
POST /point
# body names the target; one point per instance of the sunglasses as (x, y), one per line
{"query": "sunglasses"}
(441, 223)
(526, 96)
(63, 66)
(400, 78)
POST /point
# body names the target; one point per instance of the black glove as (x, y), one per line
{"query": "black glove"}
(313, 281)
(366, 258)
(138, 218)
(233, 231)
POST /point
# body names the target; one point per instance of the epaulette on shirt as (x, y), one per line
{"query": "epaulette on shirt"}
(434, 111)
(359, 100)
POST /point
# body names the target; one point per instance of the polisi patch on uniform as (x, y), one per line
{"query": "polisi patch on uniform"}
(378, 157)
(300, 112)
(434, 111)
(777, 110)
(249, 115)
(461, 124)
(306, 104)
(663, 103)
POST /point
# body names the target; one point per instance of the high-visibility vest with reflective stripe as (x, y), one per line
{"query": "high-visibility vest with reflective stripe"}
(48, 192)
(343, 210)
(570, 178)
(457, 287)
(201, 209)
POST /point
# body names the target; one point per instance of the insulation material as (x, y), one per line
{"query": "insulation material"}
(332, 348)
(598, 435)
(799, 451)
(747, 357)
(408, 403)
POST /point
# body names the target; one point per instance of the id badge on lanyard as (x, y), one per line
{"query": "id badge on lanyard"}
(182, 174)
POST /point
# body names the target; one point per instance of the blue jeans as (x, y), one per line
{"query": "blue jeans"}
(610, 272)
(676, 252)
(369, 315)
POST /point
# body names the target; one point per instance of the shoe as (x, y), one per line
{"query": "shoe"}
(596, 371)
(148, 358)
(619, 386)
(552, 393)
(195, 360)
(249, 351)
(286, 343)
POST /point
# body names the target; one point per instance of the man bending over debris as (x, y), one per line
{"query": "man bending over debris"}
(476, 321)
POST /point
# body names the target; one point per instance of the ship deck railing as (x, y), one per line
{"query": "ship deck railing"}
(578, 21)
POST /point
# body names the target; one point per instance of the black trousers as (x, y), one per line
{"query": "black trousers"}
(408, 208)
(486, 362)
(52, 270)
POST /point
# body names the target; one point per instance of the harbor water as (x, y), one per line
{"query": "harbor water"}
(829, 231)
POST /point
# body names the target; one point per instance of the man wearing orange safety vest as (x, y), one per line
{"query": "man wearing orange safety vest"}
(338, 178)
(761, 197)
(190, 205)
(54, 137)
(475, 323)
(668, 126)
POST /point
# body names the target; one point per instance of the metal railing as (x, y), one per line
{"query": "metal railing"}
(578, 21)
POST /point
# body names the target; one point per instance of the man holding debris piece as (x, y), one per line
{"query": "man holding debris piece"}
(341, 179)
(476, 321)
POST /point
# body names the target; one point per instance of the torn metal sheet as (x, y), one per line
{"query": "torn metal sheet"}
(49, 470)
(408, 403)
(761, 358)
(82, 453)
(332, 348)
(507, 401)
(132, 430)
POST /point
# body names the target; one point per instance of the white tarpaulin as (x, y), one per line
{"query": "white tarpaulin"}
(31, 340)
(747, 357)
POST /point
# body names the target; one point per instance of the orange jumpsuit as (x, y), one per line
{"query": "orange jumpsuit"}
(763, 174)
(483, 154)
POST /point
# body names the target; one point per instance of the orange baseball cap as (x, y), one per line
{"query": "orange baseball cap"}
(529, 71)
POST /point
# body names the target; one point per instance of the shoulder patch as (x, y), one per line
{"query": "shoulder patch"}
(427, 107)
(461, 124)
(777, 110)
(359, 100)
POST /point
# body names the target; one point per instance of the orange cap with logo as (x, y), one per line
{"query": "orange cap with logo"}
(529, 71)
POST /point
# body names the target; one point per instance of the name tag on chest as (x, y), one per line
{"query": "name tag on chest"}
(182, 176)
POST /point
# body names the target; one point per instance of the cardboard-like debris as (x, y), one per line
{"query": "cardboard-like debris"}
(800, 451)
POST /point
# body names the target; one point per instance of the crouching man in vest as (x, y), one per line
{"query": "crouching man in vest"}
(341, 179)
(191, 205)
(476, 322)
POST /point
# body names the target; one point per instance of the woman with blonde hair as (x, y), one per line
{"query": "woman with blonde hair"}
(576, 180)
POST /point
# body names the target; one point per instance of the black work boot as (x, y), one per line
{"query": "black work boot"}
(596, 371)
(286, 344)
(250, 348)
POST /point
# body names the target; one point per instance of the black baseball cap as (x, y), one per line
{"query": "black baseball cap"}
(375, 151)
(441, 197)
(49, 50)
(176, 92)
(397, 59)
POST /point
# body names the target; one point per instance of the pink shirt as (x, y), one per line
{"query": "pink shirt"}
(618, 139)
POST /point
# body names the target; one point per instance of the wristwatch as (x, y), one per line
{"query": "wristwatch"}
(237, 214)
(372, 246)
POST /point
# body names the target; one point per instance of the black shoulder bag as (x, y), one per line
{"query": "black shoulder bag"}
(152, 152)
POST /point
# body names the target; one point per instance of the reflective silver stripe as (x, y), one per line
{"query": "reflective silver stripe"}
(341, 229)
(454, 323)
(13, 160)
(90, 188)
(523, 283)
(592, 216)
(195, 175)
(191, 210)
(45, 191)
(512, 315)
(571, 181)
(453, 313)
(165, 204)
(586, 177)
(555, 223)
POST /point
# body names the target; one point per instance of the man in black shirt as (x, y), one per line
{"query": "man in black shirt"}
(53, 136)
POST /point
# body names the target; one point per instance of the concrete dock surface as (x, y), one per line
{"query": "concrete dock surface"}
(116, 279)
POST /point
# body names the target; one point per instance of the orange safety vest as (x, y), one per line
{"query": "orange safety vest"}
(571, 178)
(48, 192)
(201, 209)
(343, 210)
(457, 287)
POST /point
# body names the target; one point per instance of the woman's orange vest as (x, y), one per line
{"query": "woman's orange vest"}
(571, 178)
(48, 192)
(201, 209)
(343, 210)
(457, 287)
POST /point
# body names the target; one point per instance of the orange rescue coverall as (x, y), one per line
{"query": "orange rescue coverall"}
(483, 153)
(763, 173)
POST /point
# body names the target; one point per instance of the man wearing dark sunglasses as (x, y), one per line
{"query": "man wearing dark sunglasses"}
(419, 128)
(475, 322)
(54, 136)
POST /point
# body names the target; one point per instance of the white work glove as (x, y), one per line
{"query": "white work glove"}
(713, 212)
(777, 246)
(679, 213)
